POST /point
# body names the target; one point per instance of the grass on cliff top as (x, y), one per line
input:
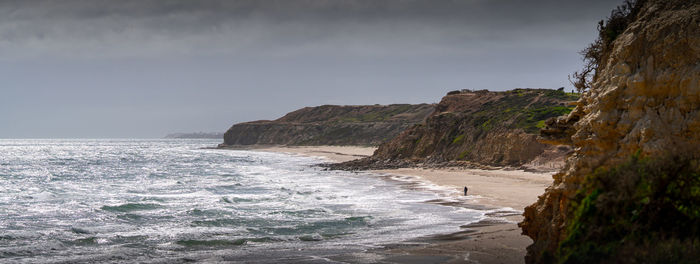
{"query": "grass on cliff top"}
(646, 210)
(559, 94)
(521, 108)
(377, 116)
(533, 118)
(562, 95)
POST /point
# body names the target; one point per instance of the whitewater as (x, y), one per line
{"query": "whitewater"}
(171, 201)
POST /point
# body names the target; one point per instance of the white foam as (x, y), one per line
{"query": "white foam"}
(203, 194)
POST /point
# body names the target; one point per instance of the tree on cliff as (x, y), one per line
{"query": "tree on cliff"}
(608, 30)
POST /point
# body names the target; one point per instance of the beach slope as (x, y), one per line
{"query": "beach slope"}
(496, 240)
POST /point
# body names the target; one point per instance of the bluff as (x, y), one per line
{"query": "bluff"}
(330, 125)
(476, 128)
(630, 193)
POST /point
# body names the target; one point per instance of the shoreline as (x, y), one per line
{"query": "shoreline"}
(496, 239)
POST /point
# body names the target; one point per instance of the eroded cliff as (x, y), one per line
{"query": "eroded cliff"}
(476, 128)
(630, 192)
(330, 125)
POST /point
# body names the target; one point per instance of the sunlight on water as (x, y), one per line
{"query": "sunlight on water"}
(171, 200)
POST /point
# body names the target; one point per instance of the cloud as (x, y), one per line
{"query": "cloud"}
(143, 28)
(134, 68)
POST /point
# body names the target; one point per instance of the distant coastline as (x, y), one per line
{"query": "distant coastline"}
(196, 135)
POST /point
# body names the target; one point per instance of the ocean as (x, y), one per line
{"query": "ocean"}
(173, 201)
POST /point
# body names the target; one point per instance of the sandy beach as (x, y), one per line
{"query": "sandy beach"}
(333, 153)
(498, 240)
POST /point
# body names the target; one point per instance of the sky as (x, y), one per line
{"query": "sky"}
(146, 68)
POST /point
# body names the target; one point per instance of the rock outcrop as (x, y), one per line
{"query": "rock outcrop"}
(330, 125)
(476, 128)
(644, 103)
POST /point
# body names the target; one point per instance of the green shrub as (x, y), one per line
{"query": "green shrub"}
(643, 211)
(458, 139)
(608, 31)
(463, 155)
(560, 94)
(540, 124)
(533, 119)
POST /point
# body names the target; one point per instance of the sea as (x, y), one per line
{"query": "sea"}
(179, 201)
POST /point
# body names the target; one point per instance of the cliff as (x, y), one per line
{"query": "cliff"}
(630, 191)
(330, 125)
(477, 128)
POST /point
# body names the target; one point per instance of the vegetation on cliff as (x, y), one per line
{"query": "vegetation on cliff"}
(330, 125)
(596, 53)
(481, 127)
(646, 210)
(630, 192)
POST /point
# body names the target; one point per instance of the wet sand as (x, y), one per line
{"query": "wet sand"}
(495, 240)
(332, 153)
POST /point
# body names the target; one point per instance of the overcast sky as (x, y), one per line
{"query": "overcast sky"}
(146, 68)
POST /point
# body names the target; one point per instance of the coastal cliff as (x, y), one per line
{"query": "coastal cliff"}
(330, 125)
(477, 128)
(630, 191)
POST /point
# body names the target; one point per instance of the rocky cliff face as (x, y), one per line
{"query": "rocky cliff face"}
(645, 99)
(330, 125)
(482, 127)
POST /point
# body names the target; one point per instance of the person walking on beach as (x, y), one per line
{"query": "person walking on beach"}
(465, 190)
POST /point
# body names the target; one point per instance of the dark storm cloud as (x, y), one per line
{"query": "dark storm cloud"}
(143, 28)
(145, 68)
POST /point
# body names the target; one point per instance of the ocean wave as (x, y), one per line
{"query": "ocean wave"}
(141, 201)
(129, 207)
